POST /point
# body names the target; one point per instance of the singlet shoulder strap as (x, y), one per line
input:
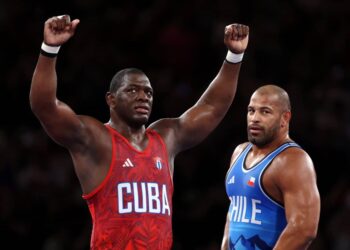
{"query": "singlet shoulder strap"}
(240, 159)
(244, 152)
(278, 150)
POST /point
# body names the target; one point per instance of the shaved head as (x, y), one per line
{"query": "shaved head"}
(282, 97)
(269, 113)
(120, 77)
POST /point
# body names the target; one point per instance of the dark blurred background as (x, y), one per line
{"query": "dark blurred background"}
(303, 46)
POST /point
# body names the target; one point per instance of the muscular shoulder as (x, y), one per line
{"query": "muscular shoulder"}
(92, 124)
(293, 157)
(93, 133)
(168, 128)
(163, 126)
(292, 165)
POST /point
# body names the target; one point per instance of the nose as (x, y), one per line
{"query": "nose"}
(254, 117)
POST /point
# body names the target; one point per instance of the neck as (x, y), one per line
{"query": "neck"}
(135, 136)
(272, 145)
(127, 130)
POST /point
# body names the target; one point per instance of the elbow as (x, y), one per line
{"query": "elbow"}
(40, 106)
(306, 232)
(312, 229)
(33, 102)
(35, 106)
(309, 234)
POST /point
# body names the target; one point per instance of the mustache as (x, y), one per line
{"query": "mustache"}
(255, 126)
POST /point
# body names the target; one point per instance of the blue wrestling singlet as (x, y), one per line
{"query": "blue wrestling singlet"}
(255, 220)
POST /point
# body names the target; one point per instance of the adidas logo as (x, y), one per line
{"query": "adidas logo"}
(232, 180)
(128, 164)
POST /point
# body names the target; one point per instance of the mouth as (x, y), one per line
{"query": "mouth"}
(254, 129)
(142, 109)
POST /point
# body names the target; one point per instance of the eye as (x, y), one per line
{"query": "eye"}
(148, 91)
(131, 90)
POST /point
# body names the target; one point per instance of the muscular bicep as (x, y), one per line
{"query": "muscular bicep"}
(297, 182)
(196, 124)
(57, 118)
(61, 123)
(187, 130)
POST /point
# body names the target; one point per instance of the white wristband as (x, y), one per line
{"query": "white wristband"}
(234, 58)
(50, 50)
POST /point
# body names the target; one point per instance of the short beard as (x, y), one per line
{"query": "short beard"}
(266, 139)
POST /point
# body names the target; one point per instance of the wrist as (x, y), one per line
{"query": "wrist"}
(233, 57)
(48, 50)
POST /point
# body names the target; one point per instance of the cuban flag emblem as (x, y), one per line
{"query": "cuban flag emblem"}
(158, 163)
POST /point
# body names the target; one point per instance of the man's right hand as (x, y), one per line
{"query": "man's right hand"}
(59, 29)
(236, 37)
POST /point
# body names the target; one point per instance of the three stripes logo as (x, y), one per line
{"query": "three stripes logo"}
(232, 180)
(128, 164)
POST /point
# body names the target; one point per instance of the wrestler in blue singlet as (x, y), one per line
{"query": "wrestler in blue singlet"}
(256, 220)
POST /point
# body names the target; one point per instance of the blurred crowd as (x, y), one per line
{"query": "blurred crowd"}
(301, 46)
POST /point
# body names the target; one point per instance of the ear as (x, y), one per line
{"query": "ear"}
(110, 99)
(286, 116)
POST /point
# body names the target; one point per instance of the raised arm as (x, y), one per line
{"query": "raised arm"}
(59, 120)
(197, 122)
(301, 202)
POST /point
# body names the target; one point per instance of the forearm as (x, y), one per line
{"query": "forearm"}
(295, 237)
(219, 95)
(44, 84)
(222, 89)
(211, 108)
